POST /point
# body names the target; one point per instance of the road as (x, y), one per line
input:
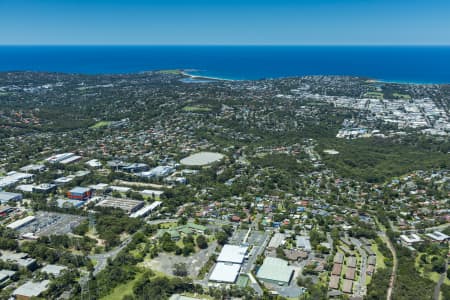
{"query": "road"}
(437, 289)
(361, 288)
(383, 236)
(102, 258)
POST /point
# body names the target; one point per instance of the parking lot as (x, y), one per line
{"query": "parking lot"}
(50, 223)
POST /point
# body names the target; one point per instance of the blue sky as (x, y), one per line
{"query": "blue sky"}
(230, 22)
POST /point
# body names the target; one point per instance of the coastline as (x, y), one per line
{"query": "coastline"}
(200, 77)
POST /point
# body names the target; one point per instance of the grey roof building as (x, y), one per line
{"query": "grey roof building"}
(5, 197)
(276, 271)
(31, 289)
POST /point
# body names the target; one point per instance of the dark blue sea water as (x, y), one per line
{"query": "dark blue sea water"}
(398, 64)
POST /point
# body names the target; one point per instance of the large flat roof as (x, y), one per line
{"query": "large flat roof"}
(275, 269)
(232, 253)
(225, 272)
(32, 289)
(201, 159)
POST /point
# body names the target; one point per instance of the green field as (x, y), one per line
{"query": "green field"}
(401, 96)
(380, 258)
(375, 95)
(174, 72)
(101, 124)
(242, 280)
(196, 108)
(124, 289)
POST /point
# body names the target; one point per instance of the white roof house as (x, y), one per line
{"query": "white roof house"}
(232, 254)
(410, 239)
(225, 272)
(303, 243)
(438, 236)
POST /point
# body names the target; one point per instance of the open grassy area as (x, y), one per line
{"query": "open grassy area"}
(375, 95)
(101, 124)
(430, 275)
(124, 289)
(196, 108)
(173, 72)
(401, 96)
(380, 258)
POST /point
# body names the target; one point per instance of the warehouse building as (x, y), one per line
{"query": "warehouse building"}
(276, 271)
(232, 254)
(228, 264)
(13, 177)
(80, 193)
(127, 205)
(225, 272)
(5, 197)
(31, 289)
(69, 203)
(18, 258)
(22, 222)
(45, 188)
(145, 211)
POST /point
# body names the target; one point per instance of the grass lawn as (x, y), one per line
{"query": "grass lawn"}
(430, 275)
(375, 95)
(174, 72)
(124, 289)
(380, 258)
(196, 108)
(401, 96)
(101, 124)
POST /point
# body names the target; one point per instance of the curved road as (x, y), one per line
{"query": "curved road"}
(437, 289)
(394, 267)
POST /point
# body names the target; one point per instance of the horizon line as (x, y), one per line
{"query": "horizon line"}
(224, 45)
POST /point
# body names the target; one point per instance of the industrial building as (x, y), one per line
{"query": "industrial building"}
(143, 212)
(6, 210)
(18, 258)
(161, 171)
(54, 270)
(225, 272)
(151, 193)
(438, 237)
(275, 271)
(33, 168)
(5, 275)
(5, 197)
(70, 203)
(232, 254)
(228, 264)
(276, 241)
(63, 158)
(22, 222)
(135, 168)
(408, 240)
(13, 177)
(31, 289)
(44, 188)
(80, 193)
(127, 205)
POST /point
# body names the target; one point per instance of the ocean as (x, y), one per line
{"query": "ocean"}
(414, 64)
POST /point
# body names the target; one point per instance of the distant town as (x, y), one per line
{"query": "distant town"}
(160, 185)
